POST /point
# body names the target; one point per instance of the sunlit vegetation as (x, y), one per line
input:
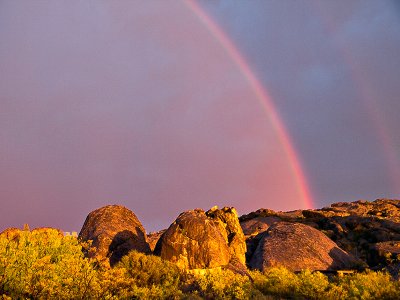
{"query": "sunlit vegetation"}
(47, 265)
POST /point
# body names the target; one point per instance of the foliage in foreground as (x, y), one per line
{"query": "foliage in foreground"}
(47, 265)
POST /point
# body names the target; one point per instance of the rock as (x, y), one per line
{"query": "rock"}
(262, 212)
(386, 255)
(257, 225)
(198, 240)
(231, 230)
(114, 230)
(298, 247)
(390, 247)
(354, 226)
(153, 237)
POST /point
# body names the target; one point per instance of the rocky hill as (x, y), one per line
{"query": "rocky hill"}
(370, 231)
(353, 235)
(344, 236)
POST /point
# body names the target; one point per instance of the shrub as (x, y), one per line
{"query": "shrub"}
(370, 285)
(280, 282)
(312, 285)
(223, 284)
(152, 277)
(44, 264)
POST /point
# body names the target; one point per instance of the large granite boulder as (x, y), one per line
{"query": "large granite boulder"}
(198, 239)
(114, 231)
(298, 247)
(228, 221)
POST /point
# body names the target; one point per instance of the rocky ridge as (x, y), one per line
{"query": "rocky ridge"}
(361, 228)
(352, 235)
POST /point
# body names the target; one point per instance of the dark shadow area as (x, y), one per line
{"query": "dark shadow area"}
(125, 241)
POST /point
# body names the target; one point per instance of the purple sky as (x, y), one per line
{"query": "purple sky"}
(135, 102)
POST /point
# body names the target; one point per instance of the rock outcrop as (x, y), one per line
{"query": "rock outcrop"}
(114, 231)
(231, 230)
(297, 247)
(199, 239)
(354, 226)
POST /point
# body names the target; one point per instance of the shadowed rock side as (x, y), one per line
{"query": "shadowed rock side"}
(153, 237)
(198, 240)
(297, 247)
(114, 230)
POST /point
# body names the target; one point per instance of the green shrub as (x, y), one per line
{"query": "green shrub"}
(370, 285)
(223, 284)
(276, 281)
(44, 264)
(311, 285)
(152, 277)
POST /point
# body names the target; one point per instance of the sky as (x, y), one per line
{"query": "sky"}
(165, 106)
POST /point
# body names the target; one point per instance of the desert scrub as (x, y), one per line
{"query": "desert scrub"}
(281, 283)
(151, 277)
(44, 264)
(370, 285)
(223, 284)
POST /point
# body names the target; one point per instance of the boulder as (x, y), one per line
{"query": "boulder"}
(231, 230)
(252, 227)
(198, 239)
(114, 231)
(389, 250)
(297, 247)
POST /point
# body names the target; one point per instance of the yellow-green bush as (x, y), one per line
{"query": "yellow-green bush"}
(370, 285)
(279, 282)
(276, 281)
(223, 284)
(152, 277)
(44, 265)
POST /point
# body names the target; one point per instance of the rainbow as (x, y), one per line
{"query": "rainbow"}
(262, 96)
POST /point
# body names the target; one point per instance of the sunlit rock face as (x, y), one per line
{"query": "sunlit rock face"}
(114, 231)
(198, 239)
(298, 247)
(231, 230)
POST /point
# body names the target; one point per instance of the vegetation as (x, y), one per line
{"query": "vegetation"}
(44, 264)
